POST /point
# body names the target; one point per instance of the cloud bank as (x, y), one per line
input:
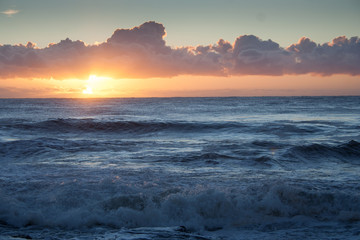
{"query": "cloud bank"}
(141, 52)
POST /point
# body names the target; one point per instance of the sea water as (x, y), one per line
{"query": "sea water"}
(180, 168)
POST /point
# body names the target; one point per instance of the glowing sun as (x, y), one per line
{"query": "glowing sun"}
(94, 85)
(88, 90)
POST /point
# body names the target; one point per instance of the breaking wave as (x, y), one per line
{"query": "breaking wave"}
(74, 206)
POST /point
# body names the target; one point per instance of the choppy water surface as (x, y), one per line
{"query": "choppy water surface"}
(180, 168)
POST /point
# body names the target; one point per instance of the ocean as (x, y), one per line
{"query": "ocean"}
(180, 168)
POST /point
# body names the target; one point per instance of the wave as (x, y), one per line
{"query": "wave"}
(342, 152)
(91, 125)
(73, 206)
(272, 153)
(53, 147)
(255, 153)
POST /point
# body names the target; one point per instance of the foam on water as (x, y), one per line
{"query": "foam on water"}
(192, 168)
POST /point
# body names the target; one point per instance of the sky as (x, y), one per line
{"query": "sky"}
(166, 48)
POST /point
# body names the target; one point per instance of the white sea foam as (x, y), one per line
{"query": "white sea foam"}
(180, 168)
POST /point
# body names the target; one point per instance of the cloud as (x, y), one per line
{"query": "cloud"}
(10, 12)
(141, 52)
(257, 57)
(340, 56)
(149, 34)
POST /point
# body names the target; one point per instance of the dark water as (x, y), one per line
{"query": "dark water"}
(222, 168)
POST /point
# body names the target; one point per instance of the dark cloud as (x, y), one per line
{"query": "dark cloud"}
(141, 52)
(305, 45)
(255, 56)
(150, 35)
(341, 56)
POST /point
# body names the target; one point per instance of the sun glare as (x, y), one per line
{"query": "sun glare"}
(88, 90)
(94, 85)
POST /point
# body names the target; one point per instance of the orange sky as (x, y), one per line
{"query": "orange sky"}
(186, 86)
(137, 62)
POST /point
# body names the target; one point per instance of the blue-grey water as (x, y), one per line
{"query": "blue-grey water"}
(180, 168)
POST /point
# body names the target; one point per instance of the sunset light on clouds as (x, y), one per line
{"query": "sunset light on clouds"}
(10, 12)
(179, 119)
(142, 53)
